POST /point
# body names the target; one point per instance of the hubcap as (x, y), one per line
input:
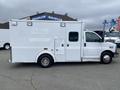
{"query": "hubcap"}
(106, 58)
(45, 61)
(7, 47)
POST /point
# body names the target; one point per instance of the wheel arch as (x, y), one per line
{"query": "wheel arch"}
(7, 43)
(44, 53)
(107, 51)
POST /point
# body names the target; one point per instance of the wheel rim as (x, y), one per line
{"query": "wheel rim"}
(106, 58)
(7, 46)
(45, 61)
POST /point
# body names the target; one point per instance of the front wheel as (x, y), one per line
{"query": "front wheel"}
(45, 61)
(106, 58)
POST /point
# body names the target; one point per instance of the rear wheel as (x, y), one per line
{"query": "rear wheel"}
(7, 46)
(106, 58)
(45, 61)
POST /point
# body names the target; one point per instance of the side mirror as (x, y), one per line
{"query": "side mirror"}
(101, 40)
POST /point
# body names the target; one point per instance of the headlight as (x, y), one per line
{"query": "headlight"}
(117, 41)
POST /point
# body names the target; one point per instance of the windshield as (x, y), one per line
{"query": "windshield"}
(113, 34)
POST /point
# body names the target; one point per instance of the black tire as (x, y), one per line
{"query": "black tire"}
(45, 61)
(7, 46)
(106, 58)
(118, 45)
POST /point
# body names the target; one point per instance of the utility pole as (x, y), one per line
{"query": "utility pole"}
(104, 27)
(104, 24)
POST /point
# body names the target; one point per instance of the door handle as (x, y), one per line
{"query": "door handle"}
(67, 45)
(84, 44)
(62, 45)
(56, 49)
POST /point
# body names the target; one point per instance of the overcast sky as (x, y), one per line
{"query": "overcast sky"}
(92, 11)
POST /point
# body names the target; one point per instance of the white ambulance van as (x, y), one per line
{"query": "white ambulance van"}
(4, 39)
(48, 42)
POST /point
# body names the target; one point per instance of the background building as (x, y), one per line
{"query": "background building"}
(42, 16)
(50, 16)
(118, 24)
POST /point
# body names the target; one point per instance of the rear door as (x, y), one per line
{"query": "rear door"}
(60, 50)
(73, 45)
(59, 43)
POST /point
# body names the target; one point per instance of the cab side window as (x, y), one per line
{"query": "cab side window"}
(92, 37)
(73, 36)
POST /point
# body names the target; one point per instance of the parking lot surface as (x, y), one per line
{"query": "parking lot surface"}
(61, 76)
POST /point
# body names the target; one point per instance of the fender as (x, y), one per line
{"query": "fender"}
(45, 52)
(109, 52)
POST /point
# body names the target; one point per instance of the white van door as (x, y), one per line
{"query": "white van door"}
(92, 46)
(59, 44)
(60, 50)
(73, 46)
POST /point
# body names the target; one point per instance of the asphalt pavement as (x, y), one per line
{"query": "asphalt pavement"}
(61, 76)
